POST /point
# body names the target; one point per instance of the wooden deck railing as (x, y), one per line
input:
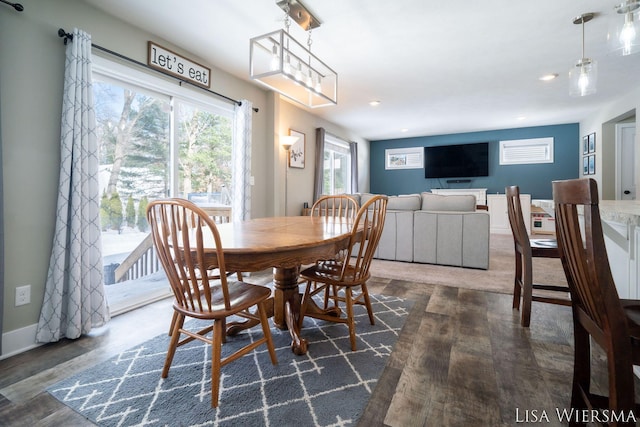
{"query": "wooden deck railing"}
(143, 260)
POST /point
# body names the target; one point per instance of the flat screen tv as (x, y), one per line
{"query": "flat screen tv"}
(457, 161)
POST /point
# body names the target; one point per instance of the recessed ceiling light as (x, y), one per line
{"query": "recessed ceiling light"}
(374, 103)
(548, 77)
(520, 118)
(404, 130)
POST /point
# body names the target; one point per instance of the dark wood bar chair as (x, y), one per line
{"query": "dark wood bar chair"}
(344, 281)
(525, 250)
(180, 231)
(598, 313)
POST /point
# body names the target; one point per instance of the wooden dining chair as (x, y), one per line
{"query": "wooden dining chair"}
(335, 205)
(526, 250)
(180, 232)
(598, 312)
(338, 279)
(219, 215)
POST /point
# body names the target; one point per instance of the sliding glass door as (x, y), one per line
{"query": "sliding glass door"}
(154, 143)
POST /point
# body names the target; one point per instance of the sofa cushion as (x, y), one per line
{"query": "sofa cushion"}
(397, 237)
(356, 197)
(439, 202)
(365, 197)
(475, 241)
(404, 202)
(425, 233)
(449, 238)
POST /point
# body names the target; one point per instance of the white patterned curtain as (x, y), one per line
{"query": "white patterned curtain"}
(74, 299)
(241, 158)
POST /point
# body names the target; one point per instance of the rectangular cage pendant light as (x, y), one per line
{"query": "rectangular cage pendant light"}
(282, 64)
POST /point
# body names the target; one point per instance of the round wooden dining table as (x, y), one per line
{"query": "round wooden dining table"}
(284, 244)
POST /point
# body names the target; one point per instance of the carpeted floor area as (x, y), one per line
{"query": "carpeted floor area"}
(330, 385)
(498, 278)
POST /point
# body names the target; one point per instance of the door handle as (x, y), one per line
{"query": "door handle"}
(627, 192)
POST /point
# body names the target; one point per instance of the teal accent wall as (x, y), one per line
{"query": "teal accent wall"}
(532, 179)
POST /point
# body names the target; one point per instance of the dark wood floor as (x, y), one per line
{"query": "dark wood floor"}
(462, 360)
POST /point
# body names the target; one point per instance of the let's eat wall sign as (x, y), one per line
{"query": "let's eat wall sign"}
(169, 62)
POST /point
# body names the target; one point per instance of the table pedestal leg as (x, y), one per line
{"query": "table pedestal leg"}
(286, 313)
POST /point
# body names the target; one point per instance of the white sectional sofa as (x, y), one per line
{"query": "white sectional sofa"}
(434, 229)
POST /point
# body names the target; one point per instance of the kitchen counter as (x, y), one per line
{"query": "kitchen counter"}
(621, 228)
(621, 211)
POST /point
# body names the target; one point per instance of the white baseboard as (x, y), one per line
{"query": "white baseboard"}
(18, 341)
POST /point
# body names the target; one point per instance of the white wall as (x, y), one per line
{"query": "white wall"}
(603, 124)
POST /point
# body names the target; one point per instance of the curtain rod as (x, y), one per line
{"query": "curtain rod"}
(16, 6)
(69, 36)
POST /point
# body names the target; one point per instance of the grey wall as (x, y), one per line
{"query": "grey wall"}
(31, 82)
(1, 232)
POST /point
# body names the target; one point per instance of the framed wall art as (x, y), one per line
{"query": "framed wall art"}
(296, 153)
(585, 144)
(585, 165)
(592, 164)
(592, 142)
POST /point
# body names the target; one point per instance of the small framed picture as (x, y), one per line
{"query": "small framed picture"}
(296, 153)
(592, 142)
(592, 164)
(585, 145)
(585, 165)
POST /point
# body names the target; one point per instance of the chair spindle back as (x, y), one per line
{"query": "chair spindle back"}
(362, 246)
(180, 230)
(335, 206)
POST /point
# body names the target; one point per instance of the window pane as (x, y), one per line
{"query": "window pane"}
(340, 173)
(204, 159)
(327, 183)
(133, 138)
(156, 139)
(337, 167)
(526, 151)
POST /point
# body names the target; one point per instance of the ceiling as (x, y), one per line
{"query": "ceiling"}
(436, 67)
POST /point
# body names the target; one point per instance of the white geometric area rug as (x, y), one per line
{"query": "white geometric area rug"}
(329, 386)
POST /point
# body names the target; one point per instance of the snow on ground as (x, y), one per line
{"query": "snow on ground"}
(115, 243)
(116, 246)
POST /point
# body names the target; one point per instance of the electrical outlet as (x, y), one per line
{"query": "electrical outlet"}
(23, 295)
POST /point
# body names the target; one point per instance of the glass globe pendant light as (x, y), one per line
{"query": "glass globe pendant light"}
(624, 34)
(583, 75)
